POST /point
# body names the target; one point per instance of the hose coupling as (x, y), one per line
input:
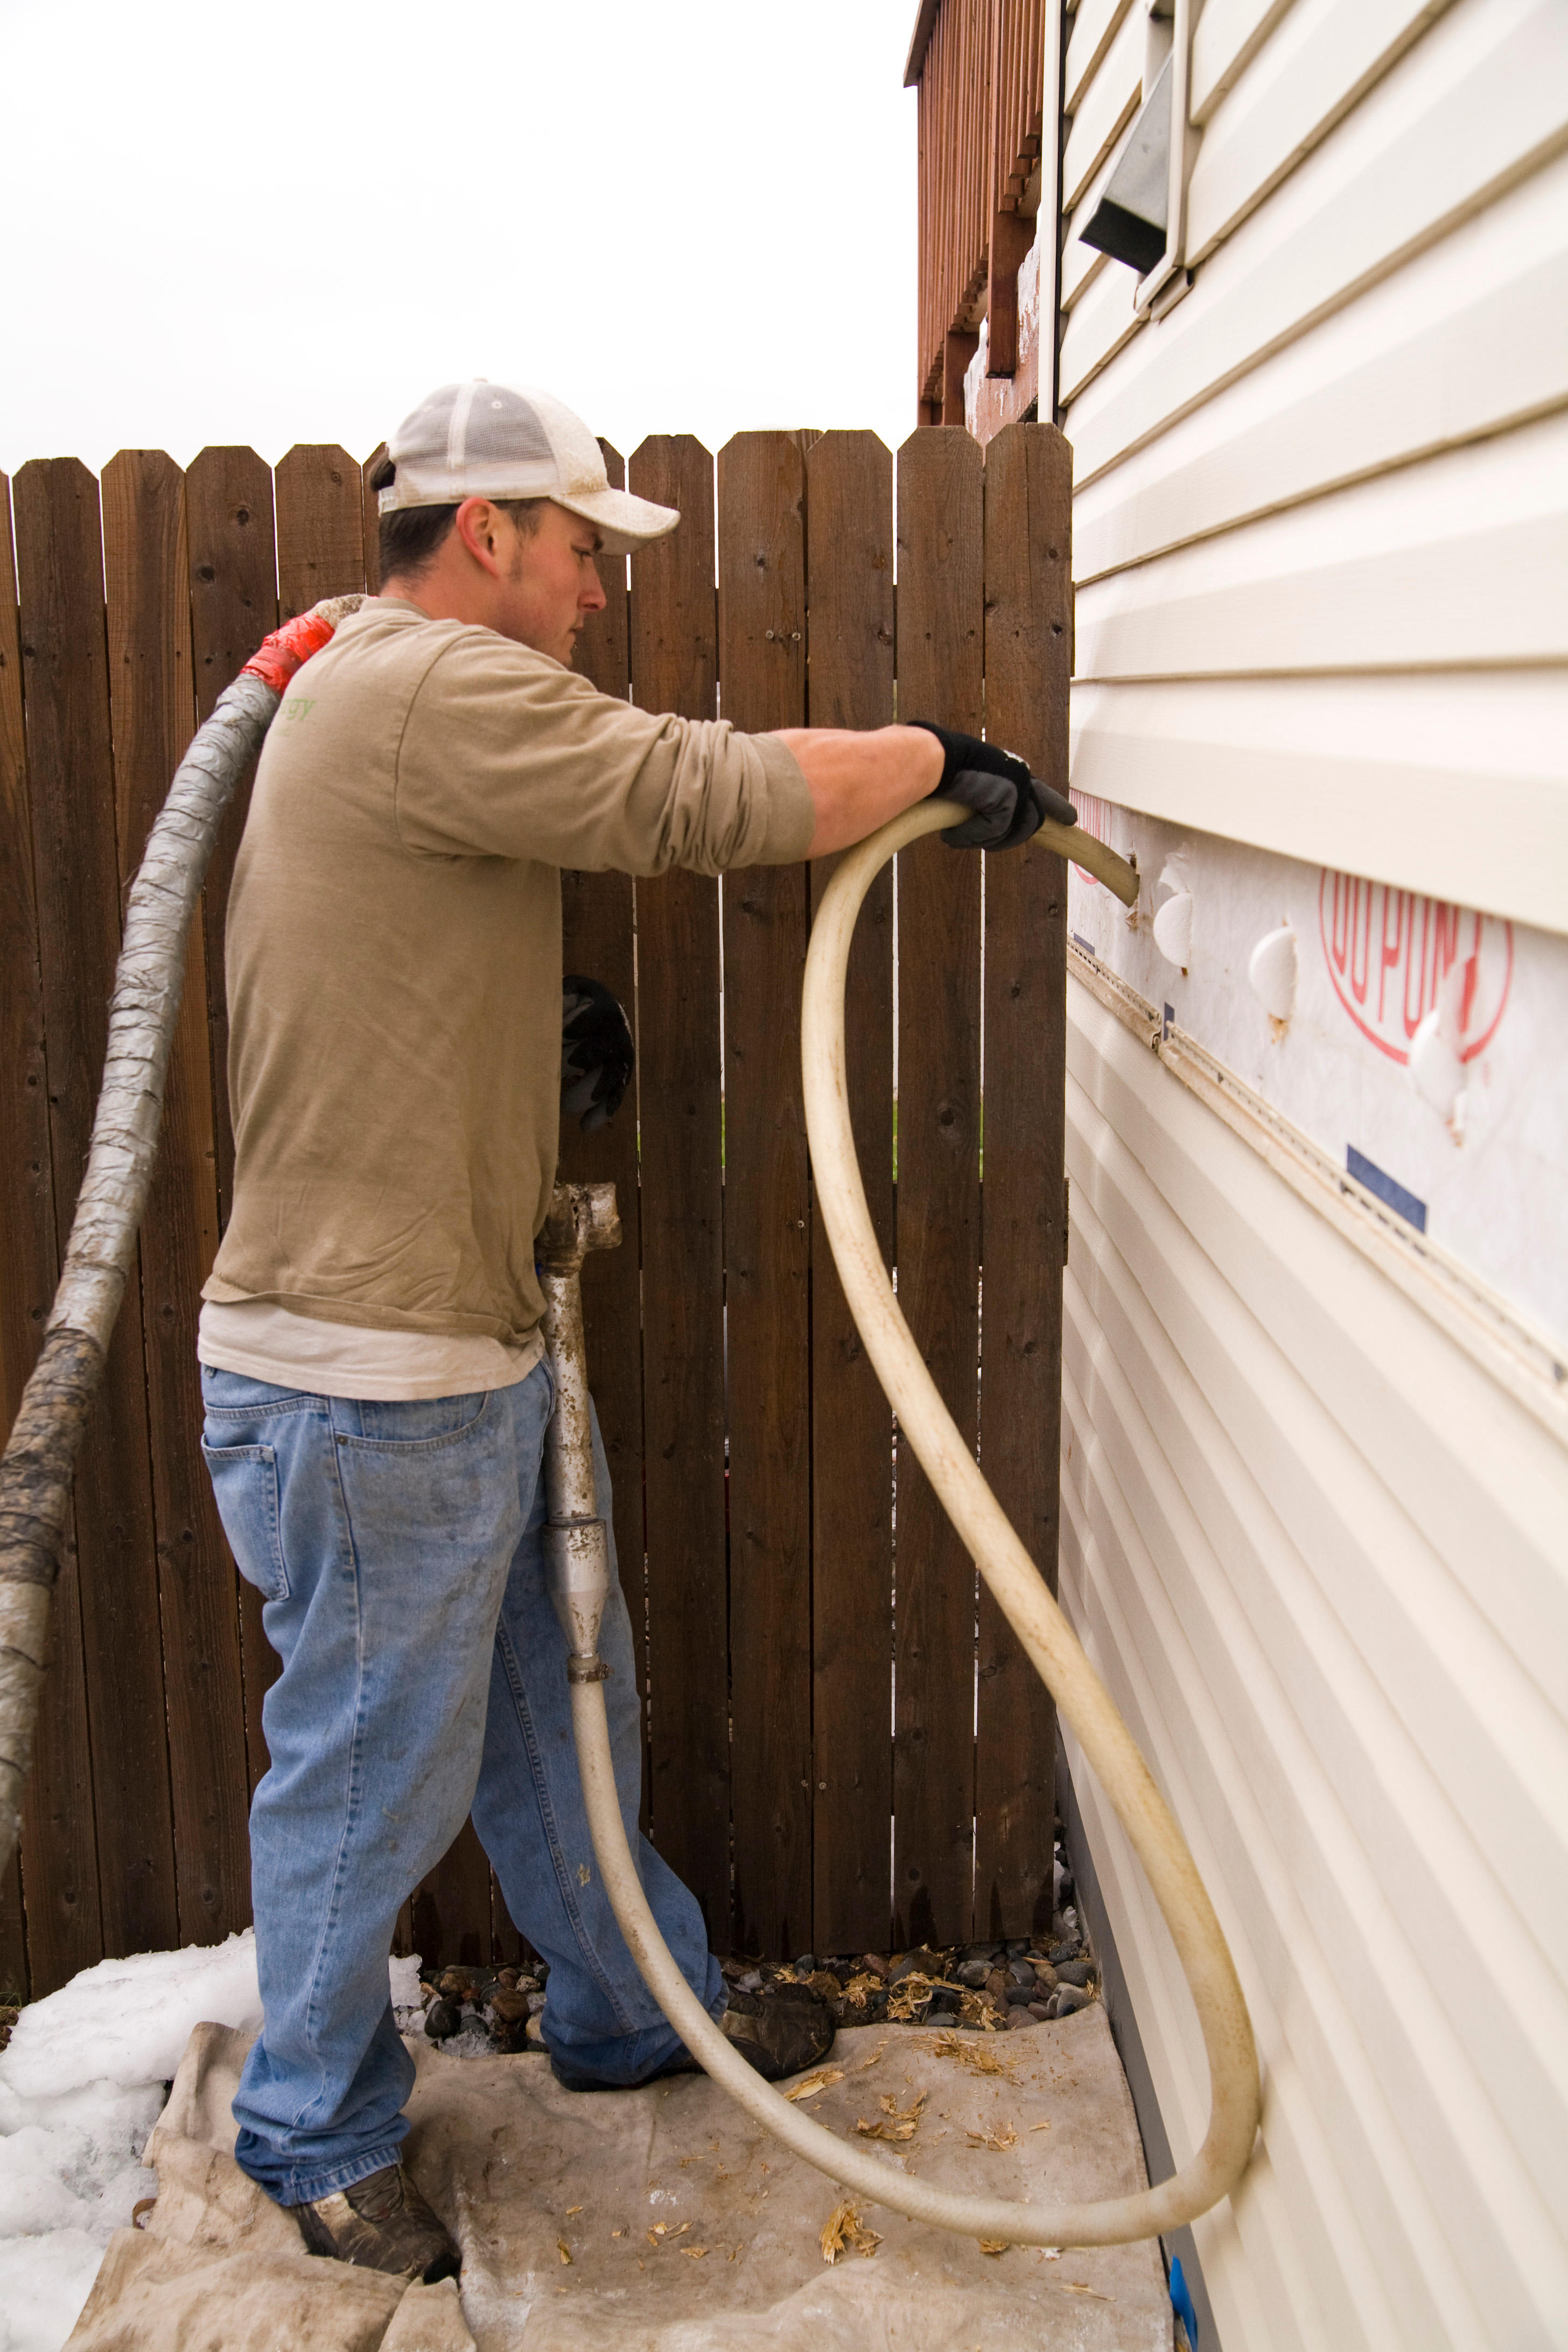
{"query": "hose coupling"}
(578, 1553)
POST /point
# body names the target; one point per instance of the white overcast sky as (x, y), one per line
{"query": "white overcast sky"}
(232, 224)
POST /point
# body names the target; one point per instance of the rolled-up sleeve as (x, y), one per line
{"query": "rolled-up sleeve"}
(507, 754)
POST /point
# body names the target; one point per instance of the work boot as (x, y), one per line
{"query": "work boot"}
(781, 2030)
(380, 2223)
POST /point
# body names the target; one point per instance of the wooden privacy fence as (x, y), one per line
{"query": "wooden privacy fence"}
(819, 1766)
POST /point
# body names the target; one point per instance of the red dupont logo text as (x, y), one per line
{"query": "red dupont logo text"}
(1094, 815)
(1392, 957)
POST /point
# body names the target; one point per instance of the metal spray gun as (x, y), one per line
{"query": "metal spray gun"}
(582, 1217)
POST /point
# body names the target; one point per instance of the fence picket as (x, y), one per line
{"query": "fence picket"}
(767, 1235)
(152, 709)
(674, 667)
(320, 495)
(597, 938)
(234, 604)
(941, 653)
(451, 1905)
(62, 1875)
(850, 561)
(371, 520)
(59, 552)
(1028, 522)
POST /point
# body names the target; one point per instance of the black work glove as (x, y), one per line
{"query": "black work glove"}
(1009, 803)
(597, 1058)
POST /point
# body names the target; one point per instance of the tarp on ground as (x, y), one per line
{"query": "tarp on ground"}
(663, 2219)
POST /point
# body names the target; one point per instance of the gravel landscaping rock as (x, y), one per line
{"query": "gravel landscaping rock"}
(977, 1987)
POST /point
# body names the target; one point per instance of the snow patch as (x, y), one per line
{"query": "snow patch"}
(127, 2021)
(81, 2086)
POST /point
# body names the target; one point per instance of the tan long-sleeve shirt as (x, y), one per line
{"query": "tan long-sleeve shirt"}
(394, 956)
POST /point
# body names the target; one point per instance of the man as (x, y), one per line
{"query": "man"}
(375, 1384)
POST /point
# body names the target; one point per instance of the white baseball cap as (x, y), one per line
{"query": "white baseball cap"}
(481, 440)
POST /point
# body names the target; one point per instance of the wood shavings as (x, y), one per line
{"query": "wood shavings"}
(892, 2124)
(1045, 2126)
(563, 2250)
(994, 2246)
(1077, 2286)
(976, 2055)
(572, 2209)
(844, 2232)
(694, 2254)
(999, 2140)
(867, 2064)
(909, 1996)
(858, 1989)
(819, 2079)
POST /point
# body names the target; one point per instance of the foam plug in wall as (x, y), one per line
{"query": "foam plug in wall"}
(1436, 1063)
(1273, 970)
(1174, 921)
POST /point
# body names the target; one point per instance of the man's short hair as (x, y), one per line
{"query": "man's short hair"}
(411, 537)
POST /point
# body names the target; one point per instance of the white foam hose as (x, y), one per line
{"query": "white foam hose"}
(1052, 1648)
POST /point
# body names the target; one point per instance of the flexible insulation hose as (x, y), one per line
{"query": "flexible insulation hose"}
(1052, 1648)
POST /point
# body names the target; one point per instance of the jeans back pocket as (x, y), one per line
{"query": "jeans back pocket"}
(245, 1481)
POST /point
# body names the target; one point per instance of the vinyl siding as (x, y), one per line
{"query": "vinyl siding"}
(1316, 1543)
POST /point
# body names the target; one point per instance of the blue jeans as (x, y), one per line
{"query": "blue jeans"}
(400, 1551)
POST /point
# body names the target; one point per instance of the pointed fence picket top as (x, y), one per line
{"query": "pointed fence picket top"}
(842, 1746)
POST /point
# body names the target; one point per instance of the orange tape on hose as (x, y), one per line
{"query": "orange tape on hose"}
(277, 657)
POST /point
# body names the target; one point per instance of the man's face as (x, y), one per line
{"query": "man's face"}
(549, 583)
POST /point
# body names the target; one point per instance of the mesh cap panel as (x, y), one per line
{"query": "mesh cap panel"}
(500, 441)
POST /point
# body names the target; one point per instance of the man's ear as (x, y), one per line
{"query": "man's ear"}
(478, 525)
